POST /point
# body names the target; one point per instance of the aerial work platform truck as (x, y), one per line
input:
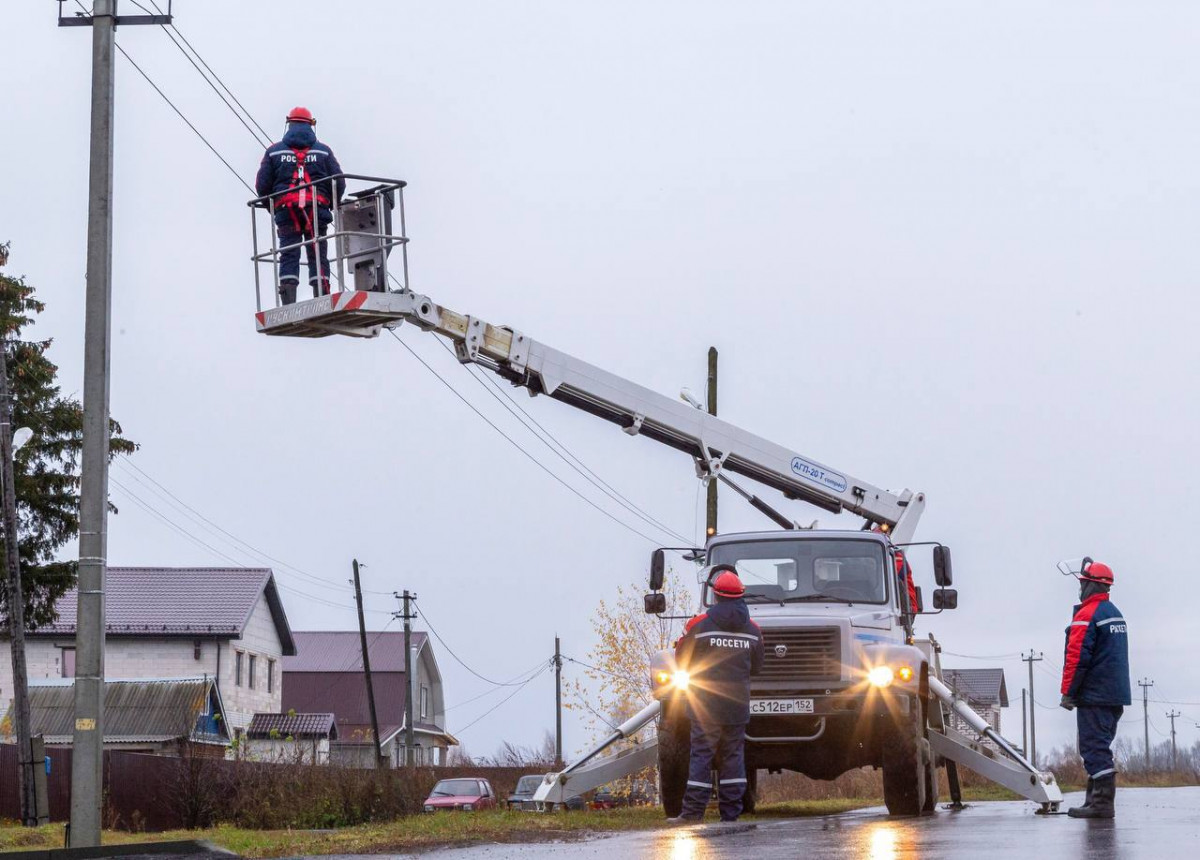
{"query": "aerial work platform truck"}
(847, 682)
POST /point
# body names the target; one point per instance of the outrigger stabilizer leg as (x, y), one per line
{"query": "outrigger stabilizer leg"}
(1015, 772)
(585, 774)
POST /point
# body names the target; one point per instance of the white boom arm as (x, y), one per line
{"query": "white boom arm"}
(716, 445)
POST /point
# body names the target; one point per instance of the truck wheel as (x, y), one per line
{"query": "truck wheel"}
(674, 754)
(931, 782)
(750, 798)
(905, 752)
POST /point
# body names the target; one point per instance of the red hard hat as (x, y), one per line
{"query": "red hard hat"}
(728, 584)
(301, 114)
(1097, 572)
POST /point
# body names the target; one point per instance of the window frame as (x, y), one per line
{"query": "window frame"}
(250, 667)
(270, 675)
(237, 667)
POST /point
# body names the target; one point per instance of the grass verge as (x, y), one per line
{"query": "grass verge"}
(417, 832)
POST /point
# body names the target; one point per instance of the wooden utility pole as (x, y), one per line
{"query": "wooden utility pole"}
(558, 759)
(380, 760)
(16, 606)
(710, 520)
(1032, 701)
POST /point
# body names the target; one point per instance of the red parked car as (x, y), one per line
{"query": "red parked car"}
(466, 794)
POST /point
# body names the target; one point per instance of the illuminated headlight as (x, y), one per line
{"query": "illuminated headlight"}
(468, 807)
(663, 677)
(881, 676)
(905, 673)
(681, 679)
(428, 808)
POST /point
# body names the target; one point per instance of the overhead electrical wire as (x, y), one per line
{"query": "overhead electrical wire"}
(547, 438)
(502, 702)
(494, 690)
(517, 445)
(459, 660)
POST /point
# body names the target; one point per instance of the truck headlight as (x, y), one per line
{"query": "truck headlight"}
(881, 676)
(663, 677)
(905, 673)
(681, 679)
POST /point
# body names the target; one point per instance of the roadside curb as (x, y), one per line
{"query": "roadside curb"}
(183, 847)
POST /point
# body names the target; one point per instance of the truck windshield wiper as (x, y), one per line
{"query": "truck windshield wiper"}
(822, 598)
(764, 598)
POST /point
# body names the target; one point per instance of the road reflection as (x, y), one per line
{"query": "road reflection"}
(684, 846)
(881, 842)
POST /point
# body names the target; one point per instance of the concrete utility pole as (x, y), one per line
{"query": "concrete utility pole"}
(409, 733)
(380, 761)
(1172, 715)
(16, 607)
(1024, 725)
(1032, 700)
(1146, 684)
(710, 519)
(558, 759)
(87, 761)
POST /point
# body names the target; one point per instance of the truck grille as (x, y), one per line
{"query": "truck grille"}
(813, 654)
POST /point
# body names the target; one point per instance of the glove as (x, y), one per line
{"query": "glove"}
(1067, 702)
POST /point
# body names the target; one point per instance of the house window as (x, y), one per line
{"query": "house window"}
(67, 663)
(424, 702)
(250, 673)
(237, 669)
(270, 676)
(196, 650)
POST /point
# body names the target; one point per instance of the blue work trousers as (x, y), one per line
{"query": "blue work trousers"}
(724, 747)
(1097, 728)
(291, 231)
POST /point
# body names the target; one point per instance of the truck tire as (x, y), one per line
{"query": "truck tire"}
(674, 754)
(750, 798)
(931, 782)
(905, 752)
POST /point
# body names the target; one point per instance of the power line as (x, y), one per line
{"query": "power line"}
(502, 701)
(200, 71)
(433, 630)
(517, 445)
(982, 656)
(549, 440)
(216, 77)
(619, 677)
(237, 175)
(494, 690)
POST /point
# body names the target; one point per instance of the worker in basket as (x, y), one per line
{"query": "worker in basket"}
(720, 649)
(287, 167)
(1095, 684)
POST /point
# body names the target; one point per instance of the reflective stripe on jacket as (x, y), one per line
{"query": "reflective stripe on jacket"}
(1096, 657)
(720, 650)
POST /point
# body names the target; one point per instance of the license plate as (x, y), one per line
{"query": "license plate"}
(759, 707)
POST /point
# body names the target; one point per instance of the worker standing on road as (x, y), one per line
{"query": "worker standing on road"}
(1096, 683)
(287, 166)
(720, 649)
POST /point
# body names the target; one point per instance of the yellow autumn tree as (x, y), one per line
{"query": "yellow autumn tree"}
(616, 682)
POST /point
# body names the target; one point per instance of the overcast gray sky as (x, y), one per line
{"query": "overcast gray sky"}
(946, 246)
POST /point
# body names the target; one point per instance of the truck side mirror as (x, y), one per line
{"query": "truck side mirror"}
(945, 598)
(920, 607)
(655, 604)
(658, 569)
(943, 573)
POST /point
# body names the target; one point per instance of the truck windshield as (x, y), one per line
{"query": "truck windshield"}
(811, 569)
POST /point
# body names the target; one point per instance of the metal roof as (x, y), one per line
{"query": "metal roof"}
(134, 711)
(984, 686)
(198, 602)
(341, 651)
(263, 726)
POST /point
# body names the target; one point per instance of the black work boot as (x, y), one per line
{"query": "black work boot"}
(1087, 800)
(1103, 805)
(287, 292)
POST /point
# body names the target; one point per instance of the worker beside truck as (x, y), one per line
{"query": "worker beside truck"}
(721, 649)
(1095, 684)
(302, 214)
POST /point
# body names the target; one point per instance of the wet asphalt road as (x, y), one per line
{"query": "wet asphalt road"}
(1151, 823)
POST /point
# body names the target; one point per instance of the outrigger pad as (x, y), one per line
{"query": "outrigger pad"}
(352, 313)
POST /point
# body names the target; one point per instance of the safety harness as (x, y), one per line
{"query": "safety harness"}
(296, 200)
